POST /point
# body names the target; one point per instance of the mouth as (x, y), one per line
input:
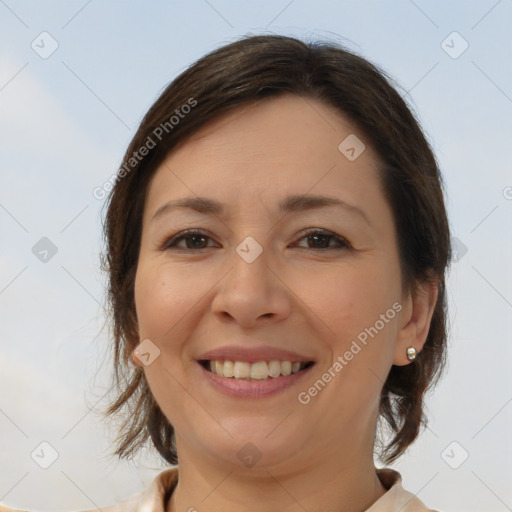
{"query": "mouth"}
(257, 371)
(253, 372)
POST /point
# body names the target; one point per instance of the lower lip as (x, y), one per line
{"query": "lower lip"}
(253, 388)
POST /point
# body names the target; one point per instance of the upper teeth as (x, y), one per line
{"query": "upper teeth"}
(260, 370)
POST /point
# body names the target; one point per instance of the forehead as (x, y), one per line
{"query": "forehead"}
(272, 148)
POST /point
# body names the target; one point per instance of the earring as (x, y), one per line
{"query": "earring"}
(411, 353)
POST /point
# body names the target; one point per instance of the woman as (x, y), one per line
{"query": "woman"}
(277, 243)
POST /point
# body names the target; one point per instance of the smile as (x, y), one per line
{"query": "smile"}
(260, 370)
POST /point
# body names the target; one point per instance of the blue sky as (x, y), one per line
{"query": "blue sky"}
(65, 121)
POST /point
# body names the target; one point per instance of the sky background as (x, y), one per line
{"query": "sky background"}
(65, 121)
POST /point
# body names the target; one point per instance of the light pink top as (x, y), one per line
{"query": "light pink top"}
(153, 498)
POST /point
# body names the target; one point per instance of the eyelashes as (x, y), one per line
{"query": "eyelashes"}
(199, 241)
(320, 234)
(189, 234)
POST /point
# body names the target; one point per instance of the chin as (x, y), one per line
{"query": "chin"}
(253, 444)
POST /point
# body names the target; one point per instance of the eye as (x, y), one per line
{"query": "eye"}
(317, 239)
(193, 240)
(320, 239)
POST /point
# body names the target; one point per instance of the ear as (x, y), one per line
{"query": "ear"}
(134, 340)
(136, 361)
(130, 352)
(416, 317)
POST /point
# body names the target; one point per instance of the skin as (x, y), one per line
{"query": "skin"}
(315, 301)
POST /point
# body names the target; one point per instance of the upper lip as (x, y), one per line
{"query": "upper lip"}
(253, 354)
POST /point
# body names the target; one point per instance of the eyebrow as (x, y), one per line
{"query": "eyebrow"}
(291, 204)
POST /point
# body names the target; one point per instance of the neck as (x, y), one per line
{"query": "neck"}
(326, 482)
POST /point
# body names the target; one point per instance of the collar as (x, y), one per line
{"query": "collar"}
(155, 497)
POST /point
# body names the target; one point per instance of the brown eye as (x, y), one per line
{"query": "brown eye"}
(321, 240)
(193, 240)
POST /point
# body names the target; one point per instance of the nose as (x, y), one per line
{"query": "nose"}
(252, 294)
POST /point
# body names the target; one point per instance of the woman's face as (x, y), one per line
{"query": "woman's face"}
(272, 278)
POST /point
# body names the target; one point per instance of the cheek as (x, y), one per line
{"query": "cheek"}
(351, 298)
(162, 305)
(161, 299)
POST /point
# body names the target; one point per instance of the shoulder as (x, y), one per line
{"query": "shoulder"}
(151, 498)
(396, 498)
(5, 508)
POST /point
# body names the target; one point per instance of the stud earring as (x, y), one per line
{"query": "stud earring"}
(411, 353)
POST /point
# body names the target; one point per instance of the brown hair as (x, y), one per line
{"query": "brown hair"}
(252, 69)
